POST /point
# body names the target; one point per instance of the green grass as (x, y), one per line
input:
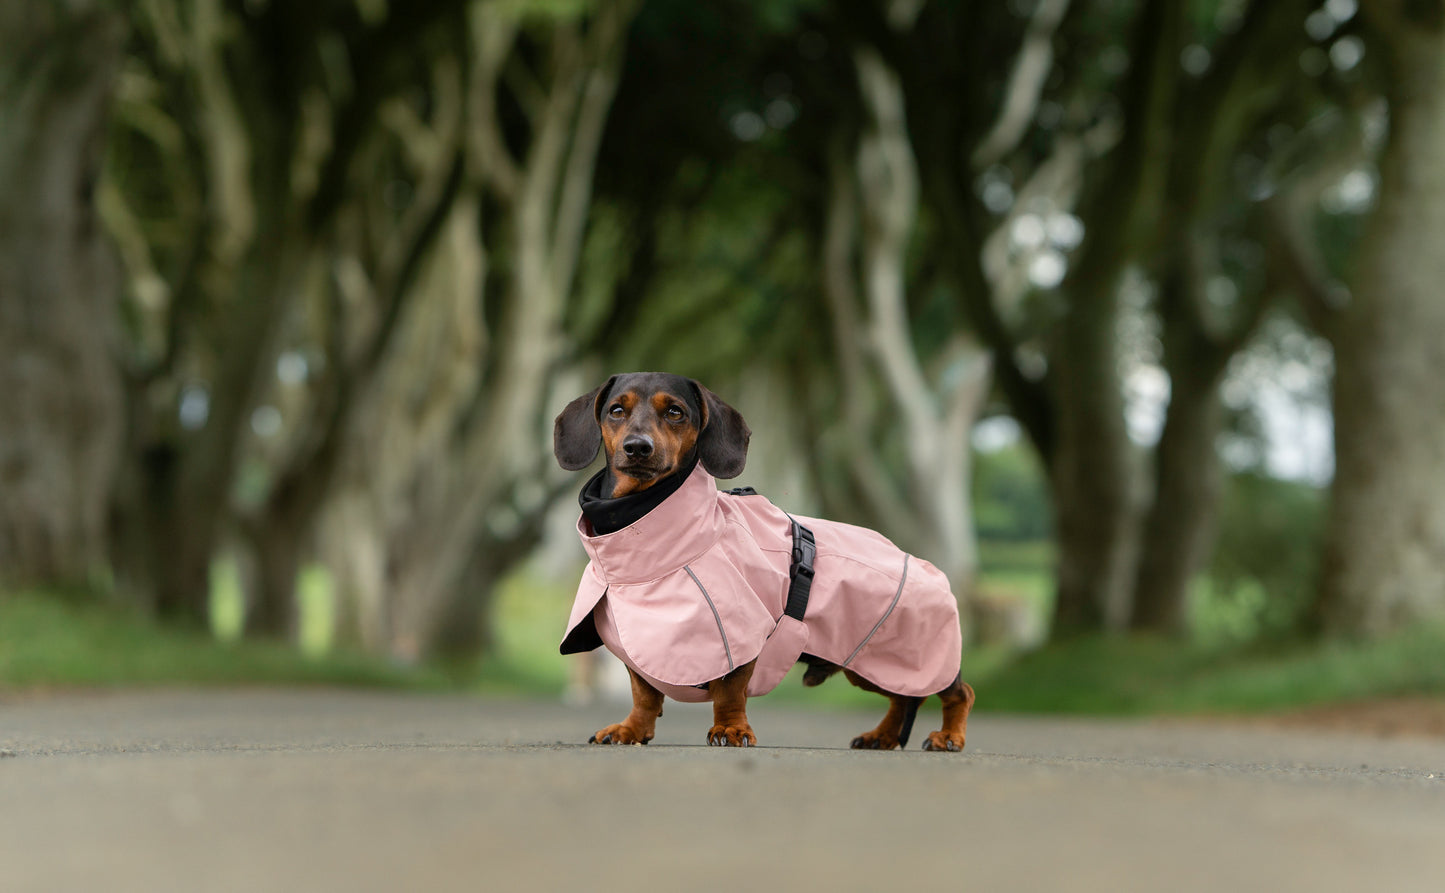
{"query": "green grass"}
(1143, 675)
(55, 641)
(50, 641)
(1102, 674)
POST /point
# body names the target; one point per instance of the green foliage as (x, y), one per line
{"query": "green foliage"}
(1016, 558)
(1265, 561)
(531, 609)
(1010, 495)
(1221, 615)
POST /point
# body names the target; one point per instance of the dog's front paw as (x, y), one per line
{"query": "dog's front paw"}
(619, 733)
(874, 740)
(732, 736)
(945, 741)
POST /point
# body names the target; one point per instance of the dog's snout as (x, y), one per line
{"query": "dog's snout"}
(638, 446)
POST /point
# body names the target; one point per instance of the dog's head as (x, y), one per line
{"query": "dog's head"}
(649, 423)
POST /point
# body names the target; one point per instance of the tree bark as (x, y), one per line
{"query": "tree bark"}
(1180, 526)
(1383, 568)
(61, 412)
(278, 546)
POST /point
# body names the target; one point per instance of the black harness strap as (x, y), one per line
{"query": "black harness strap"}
(800, 575)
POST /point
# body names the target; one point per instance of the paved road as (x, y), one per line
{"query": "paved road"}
(324, 790)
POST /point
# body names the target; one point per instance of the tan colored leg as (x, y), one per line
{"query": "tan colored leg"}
(640, 724)
(729, 709)
(957, 700)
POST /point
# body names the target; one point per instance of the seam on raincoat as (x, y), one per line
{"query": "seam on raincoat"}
(726, 650)
(903, 579)
(665, 573)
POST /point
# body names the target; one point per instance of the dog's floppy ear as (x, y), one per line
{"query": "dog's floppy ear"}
(576, 436)
(723, 444)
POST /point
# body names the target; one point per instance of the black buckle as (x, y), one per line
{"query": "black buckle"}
(800, 575)
(805, 550)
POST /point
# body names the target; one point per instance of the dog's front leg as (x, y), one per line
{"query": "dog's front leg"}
(729, 709)
(639, 725)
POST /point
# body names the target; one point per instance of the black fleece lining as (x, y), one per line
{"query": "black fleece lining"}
(608, 515)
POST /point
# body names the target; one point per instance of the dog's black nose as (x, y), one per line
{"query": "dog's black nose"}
(638, 446)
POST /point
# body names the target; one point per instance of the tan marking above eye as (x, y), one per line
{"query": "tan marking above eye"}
(668, 407)
(621, 405)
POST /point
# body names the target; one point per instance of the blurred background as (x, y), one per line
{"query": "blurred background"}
(1127, 314)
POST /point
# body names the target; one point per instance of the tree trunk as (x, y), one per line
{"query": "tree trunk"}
(1180, 527)
(1093, 472)
(61, 411)
(465, 626)
(279, 541)
(1384, 556)
(189, 498)
(935, 421)
(871, 217)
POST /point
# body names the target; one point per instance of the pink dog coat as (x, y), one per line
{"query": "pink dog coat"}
(697, 587)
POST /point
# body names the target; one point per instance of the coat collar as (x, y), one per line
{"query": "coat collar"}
(682, 527)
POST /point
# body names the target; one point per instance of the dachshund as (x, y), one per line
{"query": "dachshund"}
(713, 595)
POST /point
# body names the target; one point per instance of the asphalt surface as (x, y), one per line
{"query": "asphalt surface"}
(326, 790)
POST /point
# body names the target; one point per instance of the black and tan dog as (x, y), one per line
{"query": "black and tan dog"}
(709, 595)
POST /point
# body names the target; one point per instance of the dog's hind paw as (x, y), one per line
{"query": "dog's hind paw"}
(874, 740)
(943, 741)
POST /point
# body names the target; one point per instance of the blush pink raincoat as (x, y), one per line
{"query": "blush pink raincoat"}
(697, 586)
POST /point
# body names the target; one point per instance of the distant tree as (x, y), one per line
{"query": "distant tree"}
(870, 231)
(352, 231)
(461, 496)
(788, 195)
(1085, 118)
(242, 130)
(61, 406)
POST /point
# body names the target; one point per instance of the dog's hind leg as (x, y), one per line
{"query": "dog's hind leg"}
(818, 671)
(893, 729)
(957, 700)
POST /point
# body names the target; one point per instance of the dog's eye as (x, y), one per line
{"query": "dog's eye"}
(673, 413)
(616, 411)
